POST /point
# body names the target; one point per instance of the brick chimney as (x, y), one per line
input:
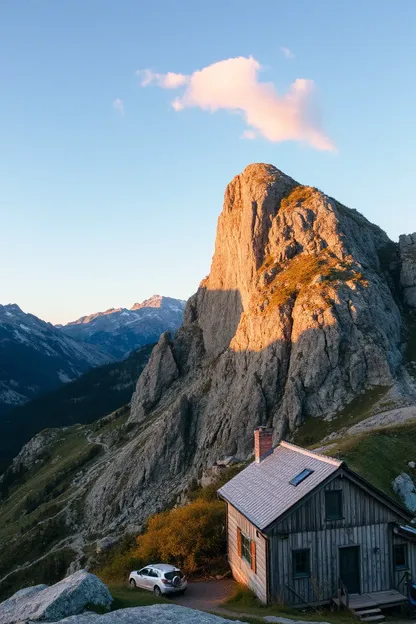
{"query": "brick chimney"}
(263, 443)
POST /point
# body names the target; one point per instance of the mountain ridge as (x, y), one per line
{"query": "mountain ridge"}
(118, 331)
(36, 357)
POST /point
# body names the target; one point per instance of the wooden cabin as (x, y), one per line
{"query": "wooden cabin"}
(303, 529)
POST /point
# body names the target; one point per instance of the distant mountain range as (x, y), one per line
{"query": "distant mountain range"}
(119, 331)
(36, 357)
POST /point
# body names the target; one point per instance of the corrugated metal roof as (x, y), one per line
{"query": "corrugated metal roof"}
(262, 492)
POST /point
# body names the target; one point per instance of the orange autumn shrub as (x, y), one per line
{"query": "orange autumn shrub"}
(191, 537)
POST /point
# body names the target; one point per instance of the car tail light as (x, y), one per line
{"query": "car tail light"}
(166, 582)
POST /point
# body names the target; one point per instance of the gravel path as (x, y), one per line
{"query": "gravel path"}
(207, 595)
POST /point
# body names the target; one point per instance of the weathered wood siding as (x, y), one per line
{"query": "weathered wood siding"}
(366, 523)
(399, 579)
(240, 568)
(359, 508)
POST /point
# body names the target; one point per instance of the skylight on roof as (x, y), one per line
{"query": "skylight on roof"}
(301, 477)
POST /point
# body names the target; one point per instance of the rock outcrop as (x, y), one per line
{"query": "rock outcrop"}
(407, 245)
(68, 597)
(155, 614)
(403, 486)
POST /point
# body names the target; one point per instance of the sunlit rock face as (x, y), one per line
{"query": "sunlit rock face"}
(295, 319)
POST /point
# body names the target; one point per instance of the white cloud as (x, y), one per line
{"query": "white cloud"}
(233, 85)
(287, 52)
(118, 106)
(166, 81)
(248, 134)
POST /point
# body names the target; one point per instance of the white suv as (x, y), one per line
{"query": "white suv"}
(160, 578)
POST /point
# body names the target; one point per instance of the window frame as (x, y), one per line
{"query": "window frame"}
(301, 575)
(246, 548)
(301, 476)
(339, 494)
(405, 552)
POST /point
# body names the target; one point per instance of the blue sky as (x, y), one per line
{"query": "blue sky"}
(102, 209)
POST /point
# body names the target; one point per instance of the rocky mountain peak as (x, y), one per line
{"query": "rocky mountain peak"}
(119, 331)
(296, 318)
(154, 302)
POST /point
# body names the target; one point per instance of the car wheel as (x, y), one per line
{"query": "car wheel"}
(156, 591)
(132, 583)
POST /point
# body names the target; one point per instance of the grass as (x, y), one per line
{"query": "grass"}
(283, 281)
(314, 429)
(245, 602)
(67, 455)
(124, 597)
(298, 196)
(381, 455)
(30, 518)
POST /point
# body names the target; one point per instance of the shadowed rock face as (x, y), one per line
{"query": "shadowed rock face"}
(407, 245)
(295, 319)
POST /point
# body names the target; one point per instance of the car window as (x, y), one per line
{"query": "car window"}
(171, 575)
(153, 573)
(144, 572)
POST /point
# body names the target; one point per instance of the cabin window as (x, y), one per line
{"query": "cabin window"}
(400, 556)
(245, 548)
(301, 563)
(333, 505)
(301, 477)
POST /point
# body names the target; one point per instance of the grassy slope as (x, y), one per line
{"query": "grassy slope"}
(380, 455)
(313, 430)
(32, 518)
(98, 392)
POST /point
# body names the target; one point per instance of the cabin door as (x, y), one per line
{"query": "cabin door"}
(349, 568)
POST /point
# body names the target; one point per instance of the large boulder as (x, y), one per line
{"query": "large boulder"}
(68, 597)
(156, 614)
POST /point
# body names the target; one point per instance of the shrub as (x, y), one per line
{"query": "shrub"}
(192, 537)
(118, 566)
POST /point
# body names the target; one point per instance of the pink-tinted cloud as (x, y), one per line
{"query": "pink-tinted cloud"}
(118, 106)
(233, 85)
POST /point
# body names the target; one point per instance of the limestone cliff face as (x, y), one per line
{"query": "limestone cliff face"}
(295, 319)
